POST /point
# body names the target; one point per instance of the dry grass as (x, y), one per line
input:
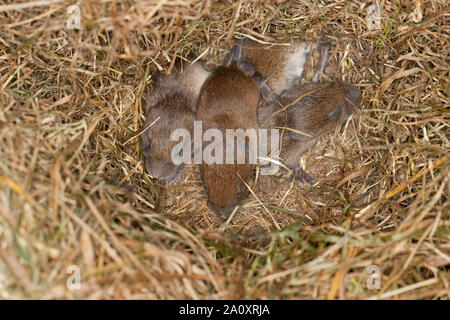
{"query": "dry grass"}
(73, 190)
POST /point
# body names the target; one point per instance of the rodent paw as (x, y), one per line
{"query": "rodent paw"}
(304, 179)
(176, 177)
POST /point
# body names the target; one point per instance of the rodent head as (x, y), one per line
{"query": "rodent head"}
(173, 113)
(324, 106)
(224, 186)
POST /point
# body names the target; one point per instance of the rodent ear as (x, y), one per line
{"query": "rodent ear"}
(146, 142)
(246, 67)
(240, 192)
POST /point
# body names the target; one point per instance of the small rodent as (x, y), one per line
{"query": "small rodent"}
(228, 100)
(173, 100)
(313, 109)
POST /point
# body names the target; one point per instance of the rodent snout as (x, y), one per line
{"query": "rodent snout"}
(166, 172)
(224, 212)
(353, 93)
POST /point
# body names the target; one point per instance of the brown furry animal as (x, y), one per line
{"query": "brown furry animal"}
(228, 100)
(281, 65)
(307, 112)
(173, 100)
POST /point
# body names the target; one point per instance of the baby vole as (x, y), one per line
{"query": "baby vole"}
(308, 112)
(172, 105)
(232, 100)
(228, 100)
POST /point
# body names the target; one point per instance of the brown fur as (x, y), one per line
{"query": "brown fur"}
(173, 100)
(228, 100)
(279, 64)
(322, 108)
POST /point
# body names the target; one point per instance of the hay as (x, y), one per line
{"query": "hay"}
(73, 191)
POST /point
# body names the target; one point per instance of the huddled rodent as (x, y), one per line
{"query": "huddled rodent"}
(308, 112)
(173, 100)
(228, 100)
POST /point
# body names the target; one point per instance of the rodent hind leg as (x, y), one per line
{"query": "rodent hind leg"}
(291, 155)
(304, 179)
(324, 57)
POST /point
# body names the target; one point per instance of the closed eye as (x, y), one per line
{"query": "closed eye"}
(147, 144)
(336, 112)
(239, 192)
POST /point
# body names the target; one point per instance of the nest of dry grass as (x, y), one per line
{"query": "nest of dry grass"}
(73, 191)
